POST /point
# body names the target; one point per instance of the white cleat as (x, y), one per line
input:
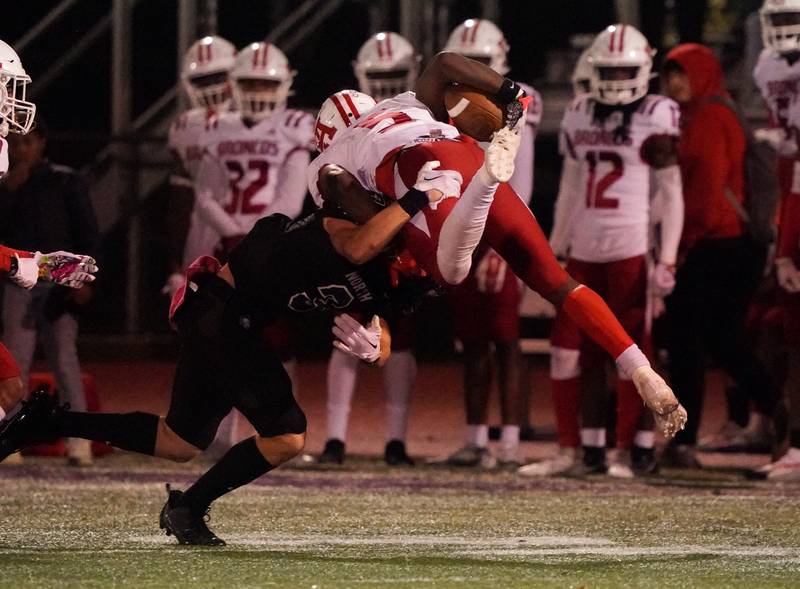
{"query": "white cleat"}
(670, 416)
(620, 465)
(561, 463)
(787, 468)
(500, 155)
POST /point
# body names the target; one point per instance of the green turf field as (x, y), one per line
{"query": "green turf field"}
(371, 527)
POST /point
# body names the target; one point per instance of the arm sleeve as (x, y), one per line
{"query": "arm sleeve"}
(292, 184)
(81, 212)
(567, 206)
(211, 187)
(669, 194)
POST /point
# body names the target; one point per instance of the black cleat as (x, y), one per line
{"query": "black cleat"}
(395, 454)
(594, 460)
(333, 453)
(178, 520)
(643, 461)
(36, 422)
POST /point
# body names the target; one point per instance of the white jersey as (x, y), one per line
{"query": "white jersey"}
(3, 156)
(391, 124)
(254, 158)
(612, 222)
(779, 84)
(186, 136)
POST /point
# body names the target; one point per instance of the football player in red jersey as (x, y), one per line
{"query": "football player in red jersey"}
(387, 146)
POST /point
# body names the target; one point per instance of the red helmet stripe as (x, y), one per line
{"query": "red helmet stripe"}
(208, 51)
(341, 110)
(389, 45)
(475, 31)
(611, 41)
(255, 58)
(200, 55)
(264, 55)
(352, 105)
(621, 38)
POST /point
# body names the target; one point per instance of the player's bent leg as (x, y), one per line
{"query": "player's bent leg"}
(173, 447)
(11, 393)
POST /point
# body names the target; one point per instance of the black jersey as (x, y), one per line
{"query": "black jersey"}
(283, 266)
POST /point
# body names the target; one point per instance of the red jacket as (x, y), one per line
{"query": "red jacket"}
(711, 150)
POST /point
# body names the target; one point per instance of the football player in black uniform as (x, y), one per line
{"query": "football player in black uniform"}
(279, 267)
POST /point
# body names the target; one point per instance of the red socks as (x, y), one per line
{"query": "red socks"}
(566, 402)
(590, 312)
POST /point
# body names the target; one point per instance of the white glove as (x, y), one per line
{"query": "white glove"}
(669, 414)
(67, 269)
(438, 184)
(174, 282)
(778, 139)
(662, 281)
(490, 273)
(353, 338)
(501, 153)
(788, 275)
(27, 273)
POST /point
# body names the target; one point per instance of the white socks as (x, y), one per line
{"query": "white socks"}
(509, 442)
(399, 375)
(645, 438)
(593, 437)
(342, 377)
(477, 436)
(463, 228)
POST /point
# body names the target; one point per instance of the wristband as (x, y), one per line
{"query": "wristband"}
(509, 91)
(413, 201)
(13, 265)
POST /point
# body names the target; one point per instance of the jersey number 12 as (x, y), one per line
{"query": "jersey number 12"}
(596, 189)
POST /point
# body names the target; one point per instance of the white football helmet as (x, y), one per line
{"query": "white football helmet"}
(261, 80)
(780, 25)
(621, 60)
(386, 65)
(581, 75)
(204, 74)
(482, 41)
(339, 111)
(16, 113)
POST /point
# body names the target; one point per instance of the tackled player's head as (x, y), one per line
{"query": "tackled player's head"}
(343, 192)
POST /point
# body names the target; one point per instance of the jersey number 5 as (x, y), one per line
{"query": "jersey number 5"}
(242, 198)
(595, 189)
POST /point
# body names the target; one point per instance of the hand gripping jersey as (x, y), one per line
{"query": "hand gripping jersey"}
(255, 158)
(391, 125)
(613, 220)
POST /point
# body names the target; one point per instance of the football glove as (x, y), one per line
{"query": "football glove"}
(67, 269)
(174, 282)
(26, 272)
(357, 340)
(788, 275)
(438, 184)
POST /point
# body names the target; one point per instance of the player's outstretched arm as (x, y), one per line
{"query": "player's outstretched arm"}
(451, 68)
(370, 232)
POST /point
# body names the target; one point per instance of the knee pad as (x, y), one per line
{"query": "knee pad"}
(564, 363)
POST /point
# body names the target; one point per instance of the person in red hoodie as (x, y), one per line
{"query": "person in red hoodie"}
(719, 265)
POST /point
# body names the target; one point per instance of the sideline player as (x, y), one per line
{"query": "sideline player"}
(25, 268)
(486, 305)
(204, 78)
(387, 146)
(225, 362)
(616, 140)
(385, 64)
